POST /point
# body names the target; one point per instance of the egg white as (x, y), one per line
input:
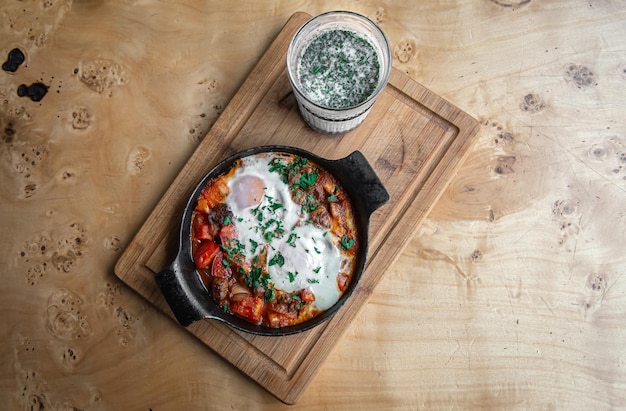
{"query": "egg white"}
(311, 255)
(311, 261)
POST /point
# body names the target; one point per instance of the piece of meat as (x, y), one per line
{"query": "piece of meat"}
(219, 289)
(320, 217)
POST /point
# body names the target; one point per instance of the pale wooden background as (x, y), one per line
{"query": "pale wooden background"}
(510, 296)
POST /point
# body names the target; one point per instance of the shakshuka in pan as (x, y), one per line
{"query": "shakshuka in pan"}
(274, 239)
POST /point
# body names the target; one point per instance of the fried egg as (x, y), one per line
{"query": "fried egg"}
(300, 255)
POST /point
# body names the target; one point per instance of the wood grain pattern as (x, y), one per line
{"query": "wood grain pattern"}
(510, 295)
(415, 141)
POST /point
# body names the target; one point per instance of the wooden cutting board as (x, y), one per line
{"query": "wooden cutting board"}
(415, 142)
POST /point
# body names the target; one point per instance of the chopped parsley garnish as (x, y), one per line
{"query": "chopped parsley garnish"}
(269, 235)
(310, 204)
(304, 181)
(255, 245)
(333, 197)
(292, 276)
(307, 180)
(317, 270)
(234, 250)
(312, 280)
(346, 243)
(278, 260)
(287, 169)
(292, 239)
(227, 220)
(255, 279)
(270, 223)
(270, 294)
(275, 206)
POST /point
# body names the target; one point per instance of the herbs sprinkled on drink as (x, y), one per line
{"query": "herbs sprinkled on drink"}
(339, 69)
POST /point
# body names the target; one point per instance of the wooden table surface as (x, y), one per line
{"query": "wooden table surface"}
(511, 295)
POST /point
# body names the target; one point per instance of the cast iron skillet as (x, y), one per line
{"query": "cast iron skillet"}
(186, 294)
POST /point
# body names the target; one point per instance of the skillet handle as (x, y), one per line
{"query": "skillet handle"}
(182, 297)
(364, 181)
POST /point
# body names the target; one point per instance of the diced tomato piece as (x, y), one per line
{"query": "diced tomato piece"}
(342, 281)
(219, 269)
(205, 253)
(228, 239)
(227, 234)
(307, 295)
(249, 307)
(201, 228)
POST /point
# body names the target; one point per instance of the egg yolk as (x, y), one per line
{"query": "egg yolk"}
(248, 191)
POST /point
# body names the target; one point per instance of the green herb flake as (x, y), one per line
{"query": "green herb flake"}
(307, 180)
(255, 245)
(286, 169)
(277, 259)
(346, 243)
(310, 204)
(292, 239)
(253, 279)
(270, 294)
